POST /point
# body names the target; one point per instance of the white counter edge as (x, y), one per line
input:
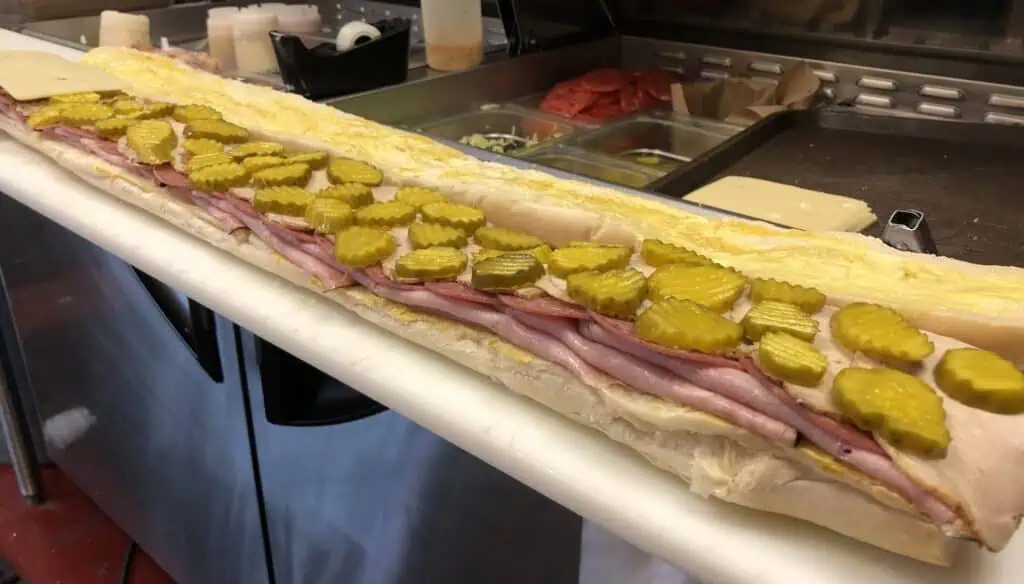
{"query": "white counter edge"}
(582, 470)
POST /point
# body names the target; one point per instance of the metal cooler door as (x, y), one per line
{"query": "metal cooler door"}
(357, 498)
(141, 398)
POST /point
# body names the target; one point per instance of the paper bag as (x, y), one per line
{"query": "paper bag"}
(746, 100)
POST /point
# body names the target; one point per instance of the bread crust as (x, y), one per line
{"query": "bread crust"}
(716, 459)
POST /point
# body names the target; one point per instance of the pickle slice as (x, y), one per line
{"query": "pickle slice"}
(257, 163)
(809, 300)
(430, 264)
(879, 333)
(152, 141)
(423, 235)
(186, 114)
(542, 253)
(329, 216)
(355, 195)
(125, 106)
(288, 175)
(290, 201)
(219, 177)
(505, 239)
(151, 111)
(981, 379)
(219, 130)
(772, 315)
(257, 149)
(588, 258)
(362, 247)
(617, 293)
(346, 170)
(84, 114)
(418, 196)
(507, 272)
(204, 160)
(81, 97)
(197, 146)
(791, 359)
(113, 127)
(315, 160)
(463, 217)
(47, 115)
(712, 286)
(386, 215)
(657, 253)
(683, 324)
(902, 409)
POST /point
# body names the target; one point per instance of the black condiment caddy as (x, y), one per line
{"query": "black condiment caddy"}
(320, 71)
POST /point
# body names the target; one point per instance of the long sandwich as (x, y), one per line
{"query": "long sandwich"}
(822, 376)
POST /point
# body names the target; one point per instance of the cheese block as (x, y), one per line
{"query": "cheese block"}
(29, 75)
(785, 205)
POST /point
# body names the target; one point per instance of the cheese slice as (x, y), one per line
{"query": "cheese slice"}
(784, 204)
(29, 75)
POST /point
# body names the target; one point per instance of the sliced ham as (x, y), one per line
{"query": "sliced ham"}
(328, 275)
(844, 436)
(225, 221)
(732, 383)
(377, 274)
(658, 381)
(624, 330)
(545, 306)
(167, 175)
(534, 342)
(462, 292)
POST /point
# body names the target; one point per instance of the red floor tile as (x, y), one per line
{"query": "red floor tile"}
(66, 540)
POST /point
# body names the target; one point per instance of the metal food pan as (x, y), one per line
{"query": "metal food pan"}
(675, 141)
(532, 101)
(965, 177)
(594, 166)
(521, 130)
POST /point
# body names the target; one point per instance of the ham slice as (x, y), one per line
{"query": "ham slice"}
(225, 221)
(461, 292)
(166, 175)
(330, 276)
(658, 381)
(624, 330)
(534, 342)
(545, 306)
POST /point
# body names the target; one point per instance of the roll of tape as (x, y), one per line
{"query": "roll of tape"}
(355, 33)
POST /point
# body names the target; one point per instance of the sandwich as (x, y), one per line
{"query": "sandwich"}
(824, 376)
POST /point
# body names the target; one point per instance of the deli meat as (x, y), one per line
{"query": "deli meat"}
(457, 291)
(537, 343)
(658, 381)
(331, 277)
(544, 306)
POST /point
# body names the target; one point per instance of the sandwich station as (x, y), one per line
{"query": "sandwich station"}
(223, 224)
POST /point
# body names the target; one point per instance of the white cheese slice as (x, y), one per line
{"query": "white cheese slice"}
(785, 205)
(29, 75)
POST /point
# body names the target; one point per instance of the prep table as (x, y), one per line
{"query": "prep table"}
(716, 543)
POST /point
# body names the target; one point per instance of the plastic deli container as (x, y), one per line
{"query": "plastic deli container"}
(120, 29)
(297, 19)
(220, 25)
(453, 32)
(254, 51)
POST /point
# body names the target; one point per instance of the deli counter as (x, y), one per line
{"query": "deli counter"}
(243, 430)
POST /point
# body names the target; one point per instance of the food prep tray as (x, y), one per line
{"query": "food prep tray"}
(501, 129)
(964, 177)
(594, 166)
(662, 142)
